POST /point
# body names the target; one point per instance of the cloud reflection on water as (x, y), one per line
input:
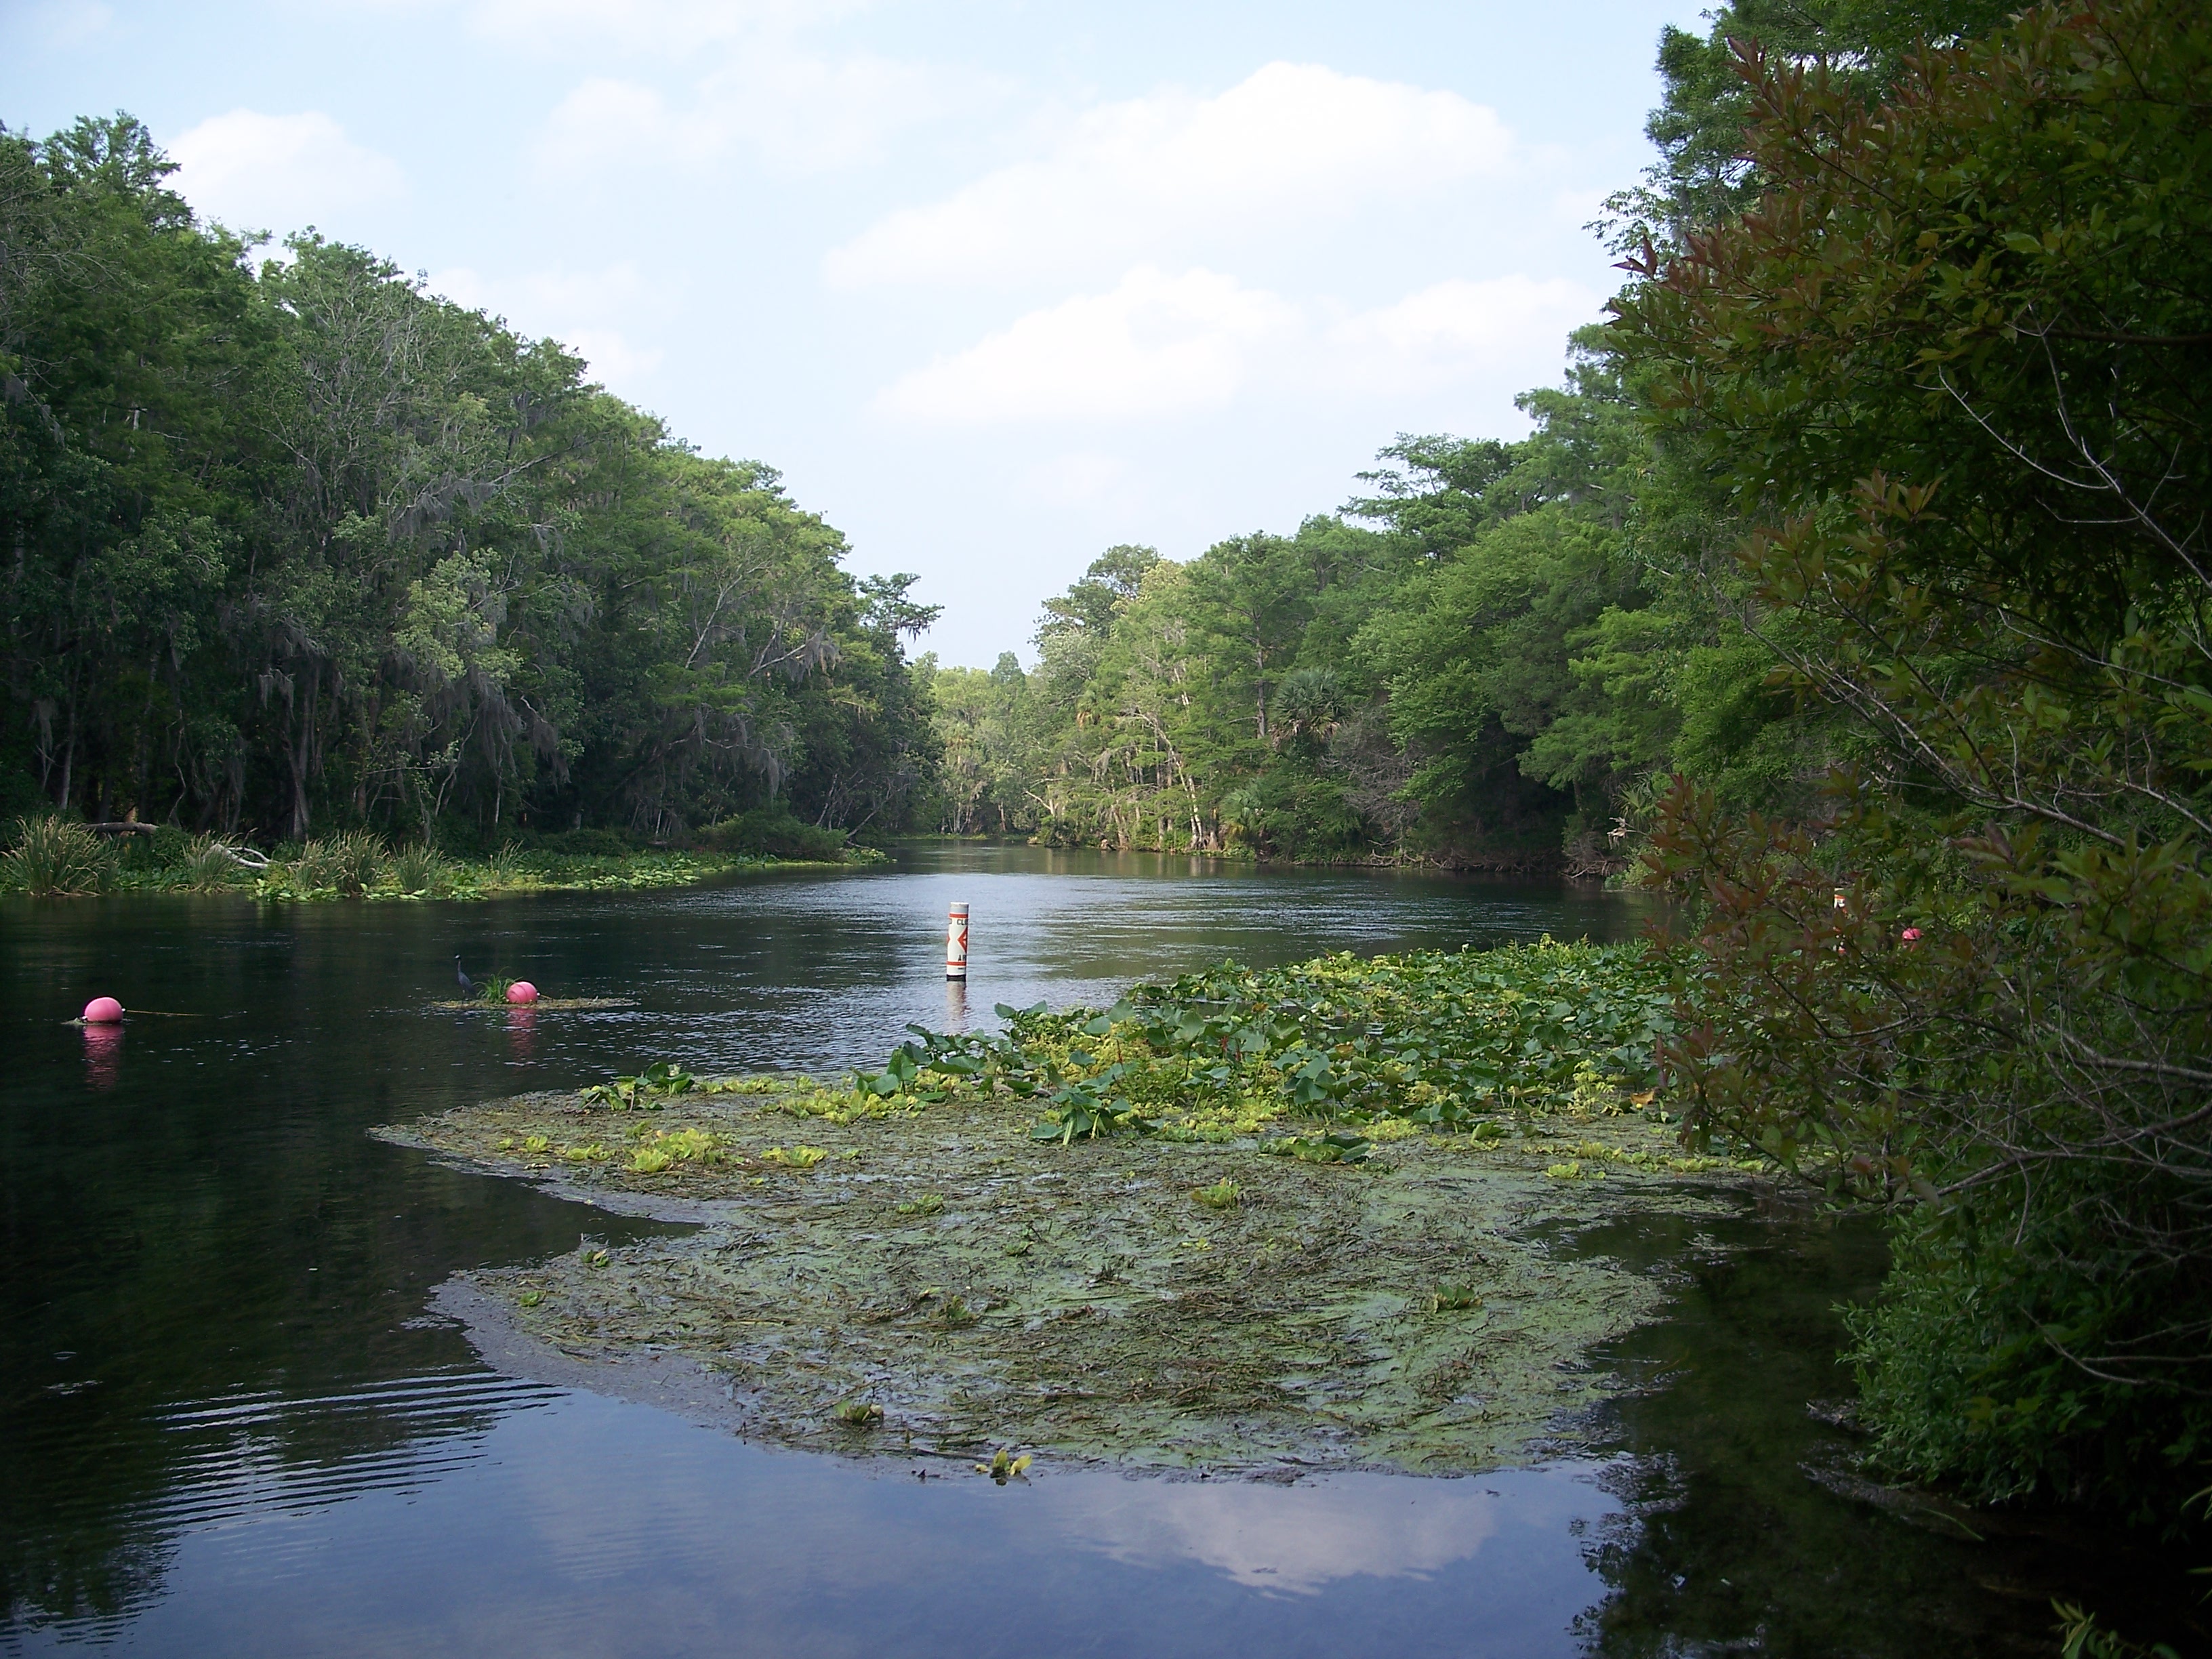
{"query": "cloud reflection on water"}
(1299, 1539)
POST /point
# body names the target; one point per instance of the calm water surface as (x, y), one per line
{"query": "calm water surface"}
(229, 1424)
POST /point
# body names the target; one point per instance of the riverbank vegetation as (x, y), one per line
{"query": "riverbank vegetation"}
(55, 857)
(298, 548)
(1946, 374)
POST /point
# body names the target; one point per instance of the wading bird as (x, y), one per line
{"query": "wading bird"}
(466, 984)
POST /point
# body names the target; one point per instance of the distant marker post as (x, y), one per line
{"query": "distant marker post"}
(956, 943)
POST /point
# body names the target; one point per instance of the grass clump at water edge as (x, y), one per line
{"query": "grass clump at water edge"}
(53, 857)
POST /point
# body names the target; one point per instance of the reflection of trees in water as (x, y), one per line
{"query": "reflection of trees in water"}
(1725, 1540)
(96, 1500)
(265, 1272)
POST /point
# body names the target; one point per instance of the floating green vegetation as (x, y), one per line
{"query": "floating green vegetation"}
(1433, 1039)
(647, 1090)
(1338, 1148)
(543, 1004)
(1223, 1194)
(1004, 1466)
(1404, 1294)
(796, 1157)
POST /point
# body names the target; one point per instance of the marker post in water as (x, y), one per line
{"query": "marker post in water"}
(956, 943)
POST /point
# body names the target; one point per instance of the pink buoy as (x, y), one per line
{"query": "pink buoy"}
(522, 991)
(103, 1011)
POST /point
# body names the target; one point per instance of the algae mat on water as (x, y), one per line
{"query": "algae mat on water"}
(935, 1280)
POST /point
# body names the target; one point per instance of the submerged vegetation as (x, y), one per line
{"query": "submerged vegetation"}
(1157, 1292)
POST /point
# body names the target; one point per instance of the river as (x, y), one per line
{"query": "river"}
(231, 1421)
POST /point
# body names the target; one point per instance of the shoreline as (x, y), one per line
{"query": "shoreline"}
(464, 882)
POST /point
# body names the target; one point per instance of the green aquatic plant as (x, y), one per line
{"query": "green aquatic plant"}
(418, 868)
(796, 1157)
(923, 1204)
(1453, 1298)
(350, 863)
(209, 864)
(53, 857)
(2081, 1637)
(859, 1414)
(1335, 1148)
(1430, 1040)
(505, 867)
(691, 1145)
(954, 1311)
(649, 1160)
(656, 1083)
(1224, 1194)
(590, 1152)
(537, 1144)
(1086, 1111)
(1004, 1466)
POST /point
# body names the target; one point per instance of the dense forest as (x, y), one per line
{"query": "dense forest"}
(295, 546)
(1855, 591)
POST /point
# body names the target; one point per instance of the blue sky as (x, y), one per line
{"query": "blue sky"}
(995, 285)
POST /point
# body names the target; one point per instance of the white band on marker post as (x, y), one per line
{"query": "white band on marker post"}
(956, 943)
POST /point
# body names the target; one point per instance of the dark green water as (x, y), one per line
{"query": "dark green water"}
(229, 1424)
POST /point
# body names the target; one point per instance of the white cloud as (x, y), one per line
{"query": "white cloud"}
(1296, 1540)
(797, 111)
(1156, 345)
(1293, 144)
(604, 121)
(279, 172)
(1077, 478)
(664, 27)
(1160, 346)
(1458, 328)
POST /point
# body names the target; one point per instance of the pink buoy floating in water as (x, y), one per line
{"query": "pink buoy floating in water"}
(103, 1011)
(522, 992)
